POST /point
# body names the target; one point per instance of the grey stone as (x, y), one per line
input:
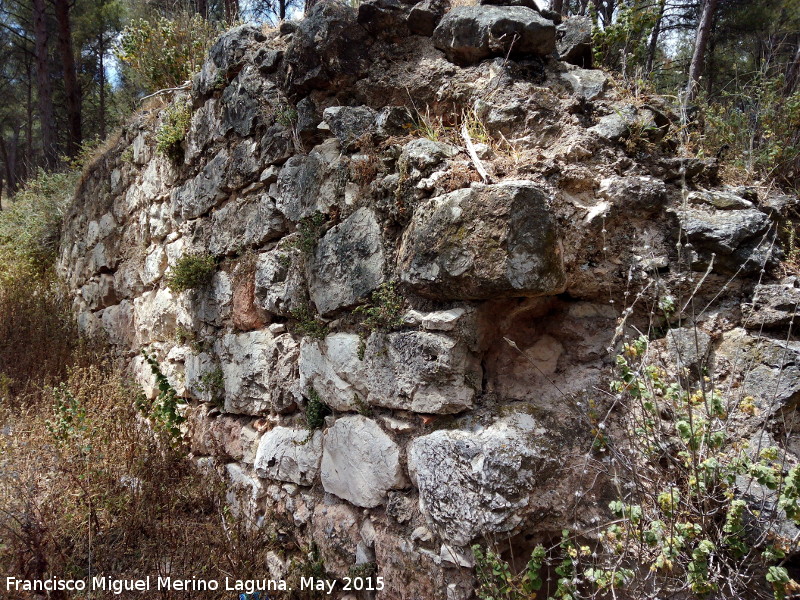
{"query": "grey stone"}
(204, 129)
(526, 3)
(574, 43)
(197, 196)
(259, 372)
(642, 194)
(780, 203)
(311, 183)
(771, 372)
(268, 60)
(689, 348)
(690, 169)
(393, 120)
(347, 263)
(243, 223)
(468, 34)
(719, 199)
(276, 145)
(615, 126)
(328, 50)
(425, 15)
(291, 455)
(588, 84)
(241, 101)
(384, 18)
(227, 53)
(474, 483)
(423, 154)
(774, 306)
(360, 463)
(740, 239)
(279, 286)
(419, 371)
(487, 241)
(348, 123)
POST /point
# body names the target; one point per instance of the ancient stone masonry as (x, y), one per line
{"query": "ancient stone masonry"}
(448, 320)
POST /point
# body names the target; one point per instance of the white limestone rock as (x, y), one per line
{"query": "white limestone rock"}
(259, 372)
(410, 370)
(474, 483)
(360, 463)
(291, 455)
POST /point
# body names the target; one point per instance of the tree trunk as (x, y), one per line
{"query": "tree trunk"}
(698, 63)
(71, 86)
(101, 72)
(557, 6)
(231, 10)
(202, 8)
(793, 73)
(309, 5)
(45, 89)
(653, 47)
(282, 10)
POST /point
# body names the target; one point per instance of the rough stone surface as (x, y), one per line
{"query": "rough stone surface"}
(291, 455)
(360, 463)
(484, 242)
(259, 371)
(418, 371)
(424, 16)
(468, 34)
(574, 43)
(587, 84)
(477, 483)
(347, 263)
(774, 305)
(644, 194)
(244, 223)
(349, 123)
(739, 239)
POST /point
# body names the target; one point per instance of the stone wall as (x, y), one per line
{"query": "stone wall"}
(307, 174)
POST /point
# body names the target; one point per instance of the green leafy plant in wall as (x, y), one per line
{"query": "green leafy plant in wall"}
(383, 311)
(307, 322)
(212, 383)
(163, 411)
(690, 520)
(173, 130)
(191, 271)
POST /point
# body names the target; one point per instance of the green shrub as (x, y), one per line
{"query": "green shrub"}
(316, 410)
(173, 129)
(191, 271)
(31, 225)
(164, 53)
(384, 309)
(308, 323)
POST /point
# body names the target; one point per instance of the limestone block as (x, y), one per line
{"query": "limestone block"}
(474, 483)
(483, 242)
(360, 463)
(347, 263)
(291, 455)
(419, 371)
(154, 316)
(259, 371)
(468, 34)
(245, 222)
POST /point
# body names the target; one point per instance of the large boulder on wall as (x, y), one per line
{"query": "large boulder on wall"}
(468, 34)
